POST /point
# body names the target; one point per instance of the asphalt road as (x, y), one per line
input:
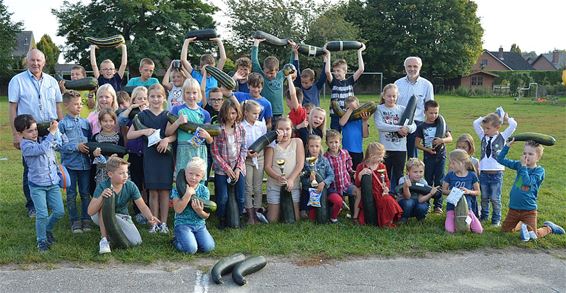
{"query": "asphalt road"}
(499, 271)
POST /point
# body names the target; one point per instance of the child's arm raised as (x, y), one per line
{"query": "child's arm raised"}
(95, 71)
(477, 127)
(295, 61)
(361, 67)
(184, 53)
(221, 52)
(203, 86)
(327, 71)
(322, 79)
(38, 149)
(511, 128)
(344, 119)
(124, 62)
(256, 67)
(293, 101)
(166, 83)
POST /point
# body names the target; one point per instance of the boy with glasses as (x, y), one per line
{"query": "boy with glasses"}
(109, 74)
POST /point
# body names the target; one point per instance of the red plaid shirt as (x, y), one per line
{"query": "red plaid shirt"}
(222, 161)
(342, 166)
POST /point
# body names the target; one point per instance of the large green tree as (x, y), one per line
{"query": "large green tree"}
(51, 52)
(8, 31)
(446, 34)
(152, 28)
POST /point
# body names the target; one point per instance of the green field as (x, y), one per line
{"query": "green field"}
(306, 240)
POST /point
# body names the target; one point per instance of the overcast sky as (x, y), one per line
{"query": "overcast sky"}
(533, 25)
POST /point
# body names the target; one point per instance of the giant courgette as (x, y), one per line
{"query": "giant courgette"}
(114, 233)
(203, 34)
(109, 42)
(181, 183)
(250, 265)
(135, 111)
(107, 148)
(270, 39)
(263, 141)
(343, 45)
(287, 208)
(540, 138)
(43, 128)
(409, 114)
(212, 129)
(311, 51)
(368, 201)
(440, 130)
(224, 266)
(224, 79)
(369, 107)
(232, 211)
(83, 84)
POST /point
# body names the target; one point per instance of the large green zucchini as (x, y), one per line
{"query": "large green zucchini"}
(343, 45)
(270, 39)
(232, 216)
(409, 114)
(250, 265)
(212, 129)
(114, 234)
(263, 141)
(287, 207)
(133, 114)
(224, 79)
(224, 266)
(181, 184)
(106, 148)
(368, 201)
(83, 84)
(43, 128)
(289, 69)
(311, 51)
(203, 34)
(109, 42)
(540, 138)
(440, 129)
(369, 107)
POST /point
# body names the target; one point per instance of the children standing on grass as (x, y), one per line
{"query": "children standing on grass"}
(123, 190)
(491, 176)
(414, 204)
(254, 129)
(522, 214)
(341, 164)
(109, 74)
(157, 159)
(388, 210)
(75, 133)
(434, 149)
(342, 88)
(354, 131)
(42, 177)
(392, 135)
(462, 176)
(191, 234)
(290, 150)
(229, 153)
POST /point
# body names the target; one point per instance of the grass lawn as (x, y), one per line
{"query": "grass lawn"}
(306, 240)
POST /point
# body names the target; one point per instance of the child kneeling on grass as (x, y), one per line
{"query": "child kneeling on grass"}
(522, 215)
(190, 218)
(123, 190)
(414, 204)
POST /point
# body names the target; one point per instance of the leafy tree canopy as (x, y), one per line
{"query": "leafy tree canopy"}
(8, 31)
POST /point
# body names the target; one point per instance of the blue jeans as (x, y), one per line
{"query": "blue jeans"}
(25, 185)
(43, 197)
(82, 179)
(434, 173)
(490, 185)
(221, 191)
(412, 151)
(335, 123)
(412, 208)
(189, 239)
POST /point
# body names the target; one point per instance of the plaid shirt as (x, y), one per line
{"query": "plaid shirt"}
(342, 165)
(219, 149)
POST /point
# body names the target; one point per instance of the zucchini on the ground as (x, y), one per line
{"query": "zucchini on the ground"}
(225, 266)
(250, 265)
(232, 216)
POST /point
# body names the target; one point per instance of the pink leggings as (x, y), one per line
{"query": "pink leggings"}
(336, 200)
(450, 223)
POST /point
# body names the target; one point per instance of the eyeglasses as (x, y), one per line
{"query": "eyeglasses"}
(107, 69)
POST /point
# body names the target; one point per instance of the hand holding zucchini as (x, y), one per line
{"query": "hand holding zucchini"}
(109, 42)
(107, 149)
(203, 34)
(224, 79)
(343, 45)
(114, 233)
(181, 184)
(83, 84)
(213, 130)
(225, 266)
(311, 51)
(289, 69)
(540, 138)
(270, 39)
(409, 114)
(369, 107)
(263, 141)
(250, 265)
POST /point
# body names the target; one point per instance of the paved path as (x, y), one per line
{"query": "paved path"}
(501, 271)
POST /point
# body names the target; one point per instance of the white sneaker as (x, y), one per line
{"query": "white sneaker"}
(104, 246)
(163, 229)
(154, 229)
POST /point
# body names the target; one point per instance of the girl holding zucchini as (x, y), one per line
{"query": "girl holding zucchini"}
(191, 234)
(229, 153)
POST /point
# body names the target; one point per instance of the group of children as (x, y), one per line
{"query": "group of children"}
(159, 146)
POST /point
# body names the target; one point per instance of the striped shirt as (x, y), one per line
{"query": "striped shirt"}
(342, 166)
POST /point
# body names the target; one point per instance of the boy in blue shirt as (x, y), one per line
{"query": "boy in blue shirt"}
(305, 81)
(75, 133)
(42, 177)
(109, 74)
(524, 193)
(353, 132)
(146, 71)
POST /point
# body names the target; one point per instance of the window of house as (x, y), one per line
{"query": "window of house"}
(483, 62)
(477, 80)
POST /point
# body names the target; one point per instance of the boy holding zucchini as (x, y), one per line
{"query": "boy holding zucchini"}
(109, 74)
